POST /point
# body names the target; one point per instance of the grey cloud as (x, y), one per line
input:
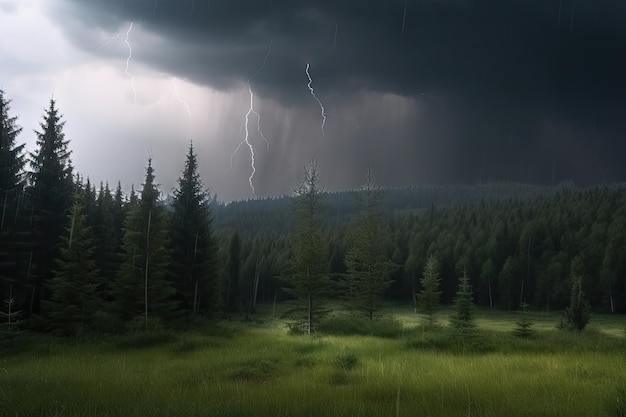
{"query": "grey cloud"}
(501, 69)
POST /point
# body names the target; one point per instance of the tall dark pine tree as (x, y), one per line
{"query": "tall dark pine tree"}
(367, 258)
(193, 245)
(11, 154)
(309, 266)
(51, 189)
(14, 236)
(74, 281)
(142, 287)
(105, 236)
(429, 297)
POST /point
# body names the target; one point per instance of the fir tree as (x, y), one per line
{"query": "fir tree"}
(194, 247)
(429, 297)
(14, 232)
(308, 267)
(367, 259)
(11, 155)
(523, 326)
(74, 282)
(52, 189)
(106, 237)
(142, 287)
(463, 328)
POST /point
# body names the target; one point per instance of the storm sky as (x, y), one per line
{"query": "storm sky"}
(427, 92)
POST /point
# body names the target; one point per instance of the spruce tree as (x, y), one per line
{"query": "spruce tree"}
(142, 288)
(463, 328)
(308, 264)
(429, 297)
(367, 259)
(75, 280)
(462, 317)
(105, 236)
(523, 326)
(14, 231)
(52, 188)
(194, 248)
(11, 154)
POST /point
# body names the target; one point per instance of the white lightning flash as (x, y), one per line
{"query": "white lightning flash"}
(308, 74)
(183, 102)
(246, 138)
(130, 55)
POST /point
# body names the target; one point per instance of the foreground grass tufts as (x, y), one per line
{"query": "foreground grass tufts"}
(346, 325)
(247, 369)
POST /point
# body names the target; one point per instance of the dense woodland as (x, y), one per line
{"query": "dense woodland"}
(76, 255)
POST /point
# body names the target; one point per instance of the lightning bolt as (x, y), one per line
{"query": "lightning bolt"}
(308, 74)
(130, 55)
(246, 139)
(183, 102)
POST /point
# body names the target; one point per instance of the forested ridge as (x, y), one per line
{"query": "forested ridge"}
(76, 256)
(520, 242)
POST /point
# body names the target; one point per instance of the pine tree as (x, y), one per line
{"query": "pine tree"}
(523, 326)
(367, 258)
(14, 232)
(52, 188)
(11, 155)
(75, 280)
(194, 247)
(463, 328)
(462, 318)
(142, 288)
(308, 265)
(429, 297)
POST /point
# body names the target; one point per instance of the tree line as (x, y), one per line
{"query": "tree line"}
(515, 249)
(76, 257)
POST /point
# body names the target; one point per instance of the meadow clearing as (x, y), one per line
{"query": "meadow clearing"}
(394, 367)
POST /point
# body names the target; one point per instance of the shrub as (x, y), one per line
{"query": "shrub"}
(346, 361)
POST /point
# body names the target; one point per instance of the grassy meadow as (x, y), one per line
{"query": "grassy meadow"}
(394, 367)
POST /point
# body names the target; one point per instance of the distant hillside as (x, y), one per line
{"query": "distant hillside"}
(273, 215)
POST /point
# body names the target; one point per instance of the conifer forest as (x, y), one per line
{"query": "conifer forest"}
(91, 262)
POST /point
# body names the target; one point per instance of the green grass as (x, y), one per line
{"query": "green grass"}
(239, 369)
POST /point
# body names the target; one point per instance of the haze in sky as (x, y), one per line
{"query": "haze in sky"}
(427, 92)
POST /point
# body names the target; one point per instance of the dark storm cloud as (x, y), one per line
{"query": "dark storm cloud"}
(504, 67)
(558, 48)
